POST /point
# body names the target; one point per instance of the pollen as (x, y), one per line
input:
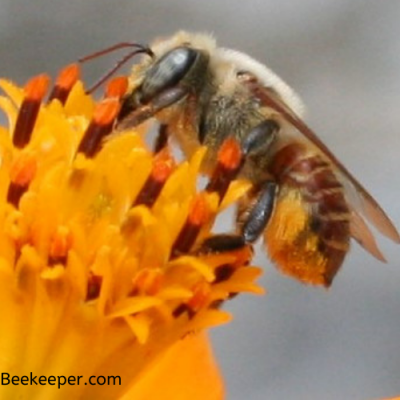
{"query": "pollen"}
(162, 168)
(295, 253)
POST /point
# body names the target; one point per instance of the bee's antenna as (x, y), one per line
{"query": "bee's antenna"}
(118, 46)
(138, 50)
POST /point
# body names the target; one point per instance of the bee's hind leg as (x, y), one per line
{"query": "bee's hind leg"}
(254, 211)
(253, 215)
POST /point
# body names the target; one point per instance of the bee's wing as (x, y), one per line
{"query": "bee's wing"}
(358, 197)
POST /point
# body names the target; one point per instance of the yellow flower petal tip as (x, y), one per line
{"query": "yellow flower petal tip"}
(100, 269)
(187, 380)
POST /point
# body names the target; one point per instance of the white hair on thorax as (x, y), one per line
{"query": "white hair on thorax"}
(243, 62)
(225, 63)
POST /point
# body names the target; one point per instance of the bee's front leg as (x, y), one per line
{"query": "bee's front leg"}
(132, 115)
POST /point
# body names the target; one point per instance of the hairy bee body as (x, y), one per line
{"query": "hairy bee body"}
(210, 123)
(308, 235)
(304, 201)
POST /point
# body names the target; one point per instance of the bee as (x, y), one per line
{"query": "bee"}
(303, 201)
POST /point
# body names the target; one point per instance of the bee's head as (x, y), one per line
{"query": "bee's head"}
(178, 67)
(179, 64)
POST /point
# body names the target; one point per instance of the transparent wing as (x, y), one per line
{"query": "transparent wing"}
(358, 197)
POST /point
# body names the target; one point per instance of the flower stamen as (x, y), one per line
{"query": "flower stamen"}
(35, 90)
(65, 81)
(117, 87)
(162, 169)
(22, 171)
(198, 216)
(229, 163)
(100, 126)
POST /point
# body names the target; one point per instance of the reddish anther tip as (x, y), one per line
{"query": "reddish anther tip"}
(230, 161)
(199, 212)
(106, 112)
(163, 166)
(198, 216)
(66, 79)
(36, 88)
(230, 154)
(23, 169)
(100, 126)
(68, 76)
(117, 87)
(162, 169)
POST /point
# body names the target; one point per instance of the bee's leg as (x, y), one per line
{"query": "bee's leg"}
(221, 242)
(252, 217)
(256, 207)
(260, 138)
(255, 210)
(162, 138)
(130, 117)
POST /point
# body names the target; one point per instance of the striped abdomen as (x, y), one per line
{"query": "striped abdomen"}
(309, 232)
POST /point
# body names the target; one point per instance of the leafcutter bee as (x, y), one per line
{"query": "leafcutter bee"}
(304, 202)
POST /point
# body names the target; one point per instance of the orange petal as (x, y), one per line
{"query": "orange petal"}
(187, 371)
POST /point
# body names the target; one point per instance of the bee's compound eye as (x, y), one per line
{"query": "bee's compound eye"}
(168, 71)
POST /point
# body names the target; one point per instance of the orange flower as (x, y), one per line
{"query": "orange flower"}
(99, 274)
